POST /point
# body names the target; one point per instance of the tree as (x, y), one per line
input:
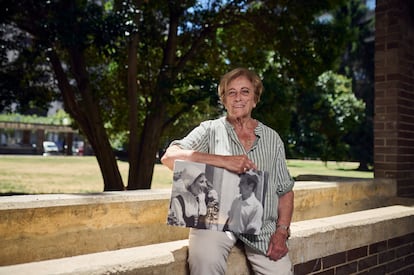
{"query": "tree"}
(202, 43)
(358, 64)
(327, 113)
(174, 52)
(72, 36)
(342, 113)
(17, 89)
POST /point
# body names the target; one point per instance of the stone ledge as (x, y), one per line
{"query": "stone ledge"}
(57, 200)
(163, 258)
(310, 240)
(41, 227)
(108, 262)
(317, 238)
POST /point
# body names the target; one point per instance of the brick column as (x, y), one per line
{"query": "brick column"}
(394, 94)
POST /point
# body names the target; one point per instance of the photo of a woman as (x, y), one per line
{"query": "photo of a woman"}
(195, 202)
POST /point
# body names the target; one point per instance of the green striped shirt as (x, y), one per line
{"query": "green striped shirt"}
(267, 153)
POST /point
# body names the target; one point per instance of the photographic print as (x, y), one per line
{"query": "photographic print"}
(208, 197)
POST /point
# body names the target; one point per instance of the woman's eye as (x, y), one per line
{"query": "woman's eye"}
(245, 92)
(231, 93)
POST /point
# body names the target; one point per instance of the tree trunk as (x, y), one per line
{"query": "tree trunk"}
(86, 112)
(149, 140)
(106, 158)
(148, 148)
(363, 166)
(133, 112)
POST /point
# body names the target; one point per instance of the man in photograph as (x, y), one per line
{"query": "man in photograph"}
(246, 212)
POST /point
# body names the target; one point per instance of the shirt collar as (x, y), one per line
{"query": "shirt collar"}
(250, 200)
(258, 130)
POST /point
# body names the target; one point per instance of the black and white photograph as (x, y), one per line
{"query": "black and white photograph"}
(208, 197)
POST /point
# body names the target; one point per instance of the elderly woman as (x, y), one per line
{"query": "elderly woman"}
(238, 142)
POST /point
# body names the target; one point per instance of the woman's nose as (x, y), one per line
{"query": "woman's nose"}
(238, 96)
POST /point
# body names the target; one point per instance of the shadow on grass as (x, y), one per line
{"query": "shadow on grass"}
(13, 194)
(311, 177)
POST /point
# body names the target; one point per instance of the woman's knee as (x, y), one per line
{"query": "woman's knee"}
(208, 251)
(206, 263)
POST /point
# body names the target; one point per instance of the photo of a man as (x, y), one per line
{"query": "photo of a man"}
(246, 211)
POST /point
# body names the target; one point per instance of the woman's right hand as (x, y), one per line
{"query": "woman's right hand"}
(238, 164)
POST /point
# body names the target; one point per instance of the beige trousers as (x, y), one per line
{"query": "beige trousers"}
(209, 249)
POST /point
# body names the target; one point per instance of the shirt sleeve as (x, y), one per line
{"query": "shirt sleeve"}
(197, 139)
(285, 181)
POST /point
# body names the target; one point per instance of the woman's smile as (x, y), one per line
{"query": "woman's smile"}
(239, 97)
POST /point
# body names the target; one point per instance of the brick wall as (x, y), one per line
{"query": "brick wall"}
(394, 94)
(394, 256)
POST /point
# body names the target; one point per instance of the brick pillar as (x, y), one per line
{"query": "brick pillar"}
(394, 94)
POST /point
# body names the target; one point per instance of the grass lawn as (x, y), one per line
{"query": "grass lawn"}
(61, 174)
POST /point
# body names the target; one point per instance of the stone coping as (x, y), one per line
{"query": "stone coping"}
(108, 262)
(310, 239)
(55, 200)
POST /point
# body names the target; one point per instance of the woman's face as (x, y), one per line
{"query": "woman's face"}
(199, 185)
(239, 97)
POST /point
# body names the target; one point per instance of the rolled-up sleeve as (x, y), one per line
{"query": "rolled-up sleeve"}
(284, 180)
(198, 139)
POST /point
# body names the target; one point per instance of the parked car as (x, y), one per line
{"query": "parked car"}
(50, 148)
(77, 148)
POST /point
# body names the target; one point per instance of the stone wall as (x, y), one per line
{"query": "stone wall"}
(41, 227)
(376, 241)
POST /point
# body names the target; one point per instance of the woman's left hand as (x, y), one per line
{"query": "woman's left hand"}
(212, 195)
(277, 246)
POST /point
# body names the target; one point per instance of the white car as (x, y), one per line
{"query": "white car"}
(50, 148)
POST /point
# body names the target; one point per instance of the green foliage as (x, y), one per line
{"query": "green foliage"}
(329, 112)
(344, 109)
(358, 64)
(277, 102)
(25, 77)
(262, 36)
(32, 28)
(60, 118)
(183, 47)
